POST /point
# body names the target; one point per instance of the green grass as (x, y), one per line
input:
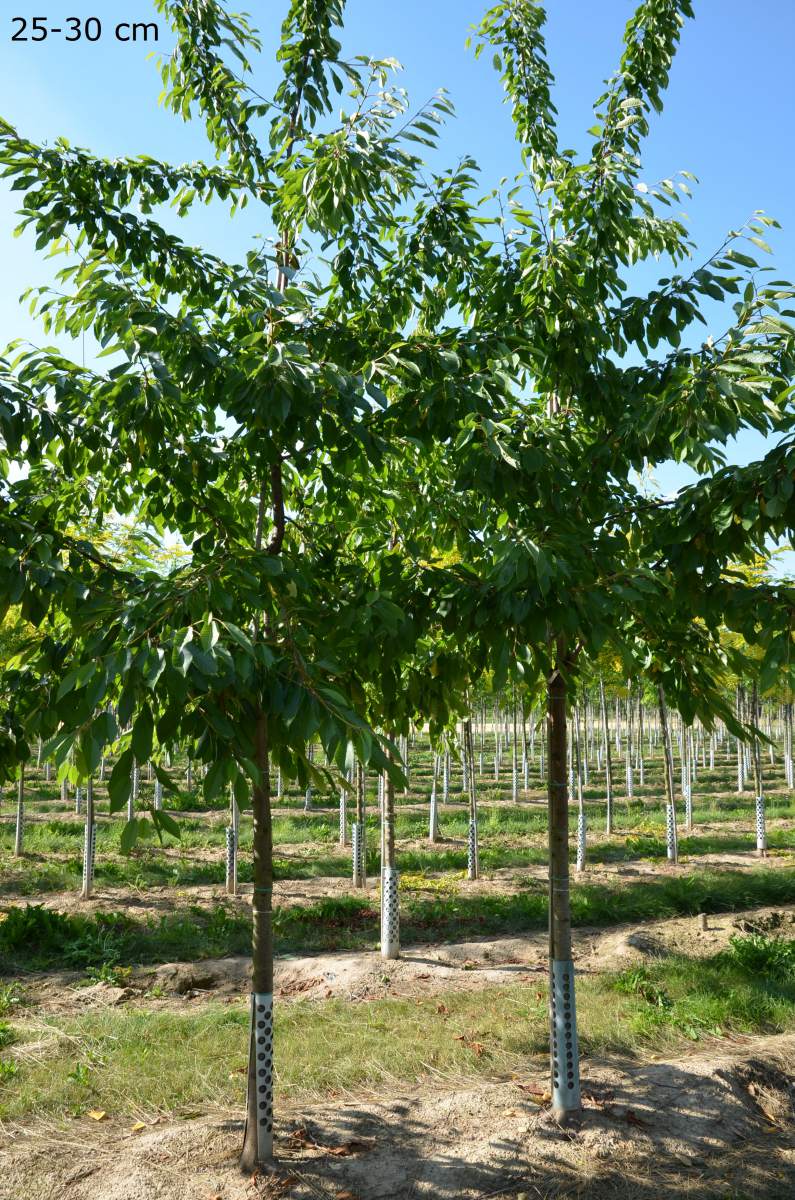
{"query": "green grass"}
(123, 1060)
(53, 849)
(37, 938)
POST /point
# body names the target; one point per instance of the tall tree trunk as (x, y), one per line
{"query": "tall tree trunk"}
(473, 855)
(578, 765)
(390, 912)
(258, 1136)
(608, 761)
(668, 764)
(514, 754)
(19, 832)
(433, 818)
(358, 835)
(89, 842)
(564, 1052)
(761, 828)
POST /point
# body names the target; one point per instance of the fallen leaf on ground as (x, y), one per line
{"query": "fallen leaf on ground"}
(97, 1114)
(352, 1147)
(138, 1126)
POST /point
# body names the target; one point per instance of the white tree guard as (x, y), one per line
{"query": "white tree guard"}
(343, 818)
(433, 819)
(47, 772)
(390, 913)
(231, 860)
(473, 857)
(89, 857)
(262, 1023)
(134, 788)
(670, 833)
(563, 1038)
(761, 829)
(581, 840)
(78, 801)
(158, 795)
(688, 806)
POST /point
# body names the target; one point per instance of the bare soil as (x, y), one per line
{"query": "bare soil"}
(706, 1125)
(358, 976)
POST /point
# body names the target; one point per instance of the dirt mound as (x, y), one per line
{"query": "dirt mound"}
(688, 1126)
(421, 970)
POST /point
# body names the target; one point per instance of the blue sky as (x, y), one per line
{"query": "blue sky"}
(728, 116)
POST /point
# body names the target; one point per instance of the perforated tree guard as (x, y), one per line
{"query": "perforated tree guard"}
(158, 795)
(358, 859)
(390, 913)
(761, 830)
(433, 819)
(89, 857)
(473, 858)
(343, 819)
(78, 800)
(581, 840)
(563, 1034)
(133, 791)
(231, 860)
(262, 1021)
(670, 832)
(19, 832)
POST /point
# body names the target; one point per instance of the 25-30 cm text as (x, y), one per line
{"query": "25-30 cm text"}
(77, 29)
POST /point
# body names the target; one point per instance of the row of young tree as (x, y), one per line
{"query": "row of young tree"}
(615, 747)
(400, 441)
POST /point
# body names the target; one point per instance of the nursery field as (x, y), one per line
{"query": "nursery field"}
(124, 1014)
(397, 613)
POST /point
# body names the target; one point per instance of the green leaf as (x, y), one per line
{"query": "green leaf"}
(120, 781)
(142, 733)
(165, 822)
(129, 836)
